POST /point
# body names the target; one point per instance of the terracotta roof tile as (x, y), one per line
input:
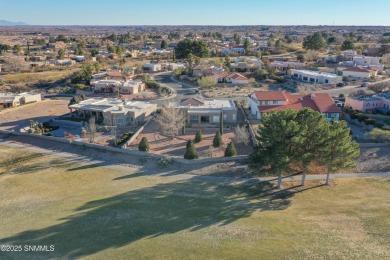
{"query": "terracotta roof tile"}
(320, 102)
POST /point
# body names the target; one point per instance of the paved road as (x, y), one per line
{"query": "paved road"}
(180, 90)
(95, 158)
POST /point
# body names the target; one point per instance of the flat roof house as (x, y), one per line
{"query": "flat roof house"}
(13, 100)
(114, 86)
(113, 112)
(316, 77)
(263, 102)
(201, 112)
(379, 102)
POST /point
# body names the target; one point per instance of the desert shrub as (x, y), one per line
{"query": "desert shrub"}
(217, 141)
(124, 138)
(144, 145)
(191, 152)
(198, 136)
(164, 162)
(369, 121)
(230, 150)
(379, 135)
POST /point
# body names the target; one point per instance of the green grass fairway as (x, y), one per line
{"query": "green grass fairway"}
(100, 213)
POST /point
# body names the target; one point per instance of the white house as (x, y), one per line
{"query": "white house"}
(13, 100)
(366, 60)
(359, 72)
(113, 112)
(233, 78)
(152, 67)
(316, 77)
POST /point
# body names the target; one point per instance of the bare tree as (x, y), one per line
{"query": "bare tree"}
(171, 120)
(311, 55)
(379, 87)
(241, 135)
(91, 129)
(15, 64)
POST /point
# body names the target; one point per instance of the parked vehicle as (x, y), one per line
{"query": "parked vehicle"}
(365, 84)
(341, 84)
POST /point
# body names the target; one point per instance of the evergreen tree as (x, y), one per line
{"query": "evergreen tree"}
(186, 47)
(191, 152)
(230, 150)
(246, 45)
(347, 45)
(313, 135)
(314, 42)
(144, 145)
(217, 141)
(273, 154)
(164, 45)
(221, 123)
(340, 149)
(198, 136)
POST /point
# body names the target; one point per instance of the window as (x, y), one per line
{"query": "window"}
(194, 117)
(274, 102)
(305, 78)
(224, 116)
(326, 81)
(234, 117)
(119, 121)
(215, 119)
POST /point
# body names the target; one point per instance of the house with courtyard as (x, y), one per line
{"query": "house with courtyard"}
(113, 111)
(118, 86)
(203, 112)
(263, 102)
(232, 78)
(14, 100)
(316, 77)
(245, 65)
(111, 75)
(286, 65)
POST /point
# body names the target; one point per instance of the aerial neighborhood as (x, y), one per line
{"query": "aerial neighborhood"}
(194, 141)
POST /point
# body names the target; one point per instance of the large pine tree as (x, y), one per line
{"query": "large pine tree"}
(340, 150)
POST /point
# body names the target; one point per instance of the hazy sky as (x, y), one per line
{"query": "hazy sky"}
(197, 12)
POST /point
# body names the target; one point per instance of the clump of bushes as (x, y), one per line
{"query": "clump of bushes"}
(230, 150)
(379, 135)
(124, 138)
(164, 162)
(198, 136)
(191, 152)
(144, 145)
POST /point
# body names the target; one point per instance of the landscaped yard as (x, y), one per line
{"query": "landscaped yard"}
(164, 144)
(103, 213)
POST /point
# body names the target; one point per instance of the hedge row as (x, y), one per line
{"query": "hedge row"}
(124, 138)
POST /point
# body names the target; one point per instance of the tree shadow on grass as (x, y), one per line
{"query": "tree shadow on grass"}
(168, 208)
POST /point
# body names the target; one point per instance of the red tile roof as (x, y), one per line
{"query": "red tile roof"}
(237, 76)
(320, 102)
(270, 95)
(358, 69)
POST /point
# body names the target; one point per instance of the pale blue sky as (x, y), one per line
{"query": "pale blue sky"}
(196, 12)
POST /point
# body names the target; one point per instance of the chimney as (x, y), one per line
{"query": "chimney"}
(312, 96)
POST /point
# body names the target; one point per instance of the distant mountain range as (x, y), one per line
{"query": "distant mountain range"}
(9, 23)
